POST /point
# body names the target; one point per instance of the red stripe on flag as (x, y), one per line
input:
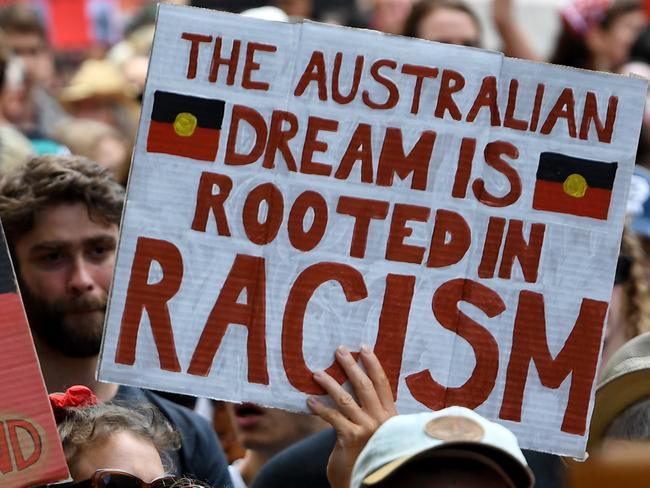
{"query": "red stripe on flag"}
(550, 196)
(202, 145)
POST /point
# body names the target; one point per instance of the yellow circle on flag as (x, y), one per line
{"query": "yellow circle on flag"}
(575, 185)
(185, 124)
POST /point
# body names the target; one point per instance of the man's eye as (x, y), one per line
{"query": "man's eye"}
(100, 251)
(51, 257)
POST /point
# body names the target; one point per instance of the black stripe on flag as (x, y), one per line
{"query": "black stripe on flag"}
(167, 105)
(557, 167)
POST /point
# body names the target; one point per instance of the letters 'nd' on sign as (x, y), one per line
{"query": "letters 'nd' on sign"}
(300, 186)
(30, 448)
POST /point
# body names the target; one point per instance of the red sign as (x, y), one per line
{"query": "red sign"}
(30, 448)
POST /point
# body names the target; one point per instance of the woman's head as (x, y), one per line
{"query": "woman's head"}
(448, 21)
(108, 436)
(629, 309)
(598, 35)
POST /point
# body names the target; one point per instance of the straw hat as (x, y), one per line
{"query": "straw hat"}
(625, 381)
(95, 78)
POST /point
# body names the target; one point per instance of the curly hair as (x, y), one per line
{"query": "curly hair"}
(84, 427)
(636, 305)
(51, 180)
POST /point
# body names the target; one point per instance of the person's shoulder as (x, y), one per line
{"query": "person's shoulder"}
(176, 413)
(303, 464)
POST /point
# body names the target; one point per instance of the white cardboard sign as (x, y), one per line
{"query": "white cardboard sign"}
(300, 186)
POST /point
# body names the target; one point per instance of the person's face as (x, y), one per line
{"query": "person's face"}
(269, 429)
(450, 26)
(427, 474)
(33, 51)
(122, 451)
(390, 15)
(65, 264)
(615, 42)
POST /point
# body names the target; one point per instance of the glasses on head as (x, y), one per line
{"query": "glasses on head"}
(107, 478)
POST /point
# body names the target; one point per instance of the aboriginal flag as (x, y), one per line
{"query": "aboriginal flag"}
(574, 186)
(184, 125)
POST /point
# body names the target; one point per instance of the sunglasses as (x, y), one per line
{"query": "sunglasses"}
(107, 478)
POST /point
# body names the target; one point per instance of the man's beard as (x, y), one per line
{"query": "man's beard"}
(51, 323)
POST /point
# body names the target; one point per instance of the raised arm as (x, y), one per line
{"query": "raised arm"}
(355, 420)
(515, 41)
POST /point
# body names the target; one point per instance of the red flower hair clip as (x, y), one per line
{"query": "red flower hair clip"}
(77, 396)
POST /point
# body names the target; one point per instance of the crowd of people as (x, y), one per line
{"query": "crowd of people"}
(69, 107)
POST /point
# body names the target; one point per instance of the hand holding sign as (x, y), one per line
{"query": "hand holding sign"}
(354, 422)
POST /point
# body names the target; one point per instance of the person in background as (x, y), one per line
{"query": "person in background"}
(112, 446)
(333, 451)
(27, 38)
(621, 415)
(296, 9)
(99, 91)
(598, 35)
(30, 104)
(629, 307)
(97, 141)
(376, 447)
(15, 148)
(61, 216)
(389, 15)
(136, 440)
(447, 21)
(453, 447)
(264, 432)
(595, 34)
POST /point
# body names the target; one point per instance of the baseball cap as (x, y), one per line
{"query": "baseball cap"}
(458, 431)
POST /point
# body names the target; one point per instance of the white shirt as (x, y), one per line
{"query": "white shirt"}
(235, 475)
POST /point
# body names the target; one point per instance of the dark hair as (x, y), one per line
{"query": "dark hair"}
(424, 8)
(86, 426)
(633, 423)
(50, 180)
(641, 48)
(5, 54)
(22, 18)
(571, 49)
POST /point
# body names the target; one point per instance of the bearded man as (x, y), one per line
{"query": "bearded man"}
(61, 217)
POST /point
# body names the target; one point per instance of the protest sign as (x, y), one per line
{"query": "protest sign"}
(30, 448)
(300, 186)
